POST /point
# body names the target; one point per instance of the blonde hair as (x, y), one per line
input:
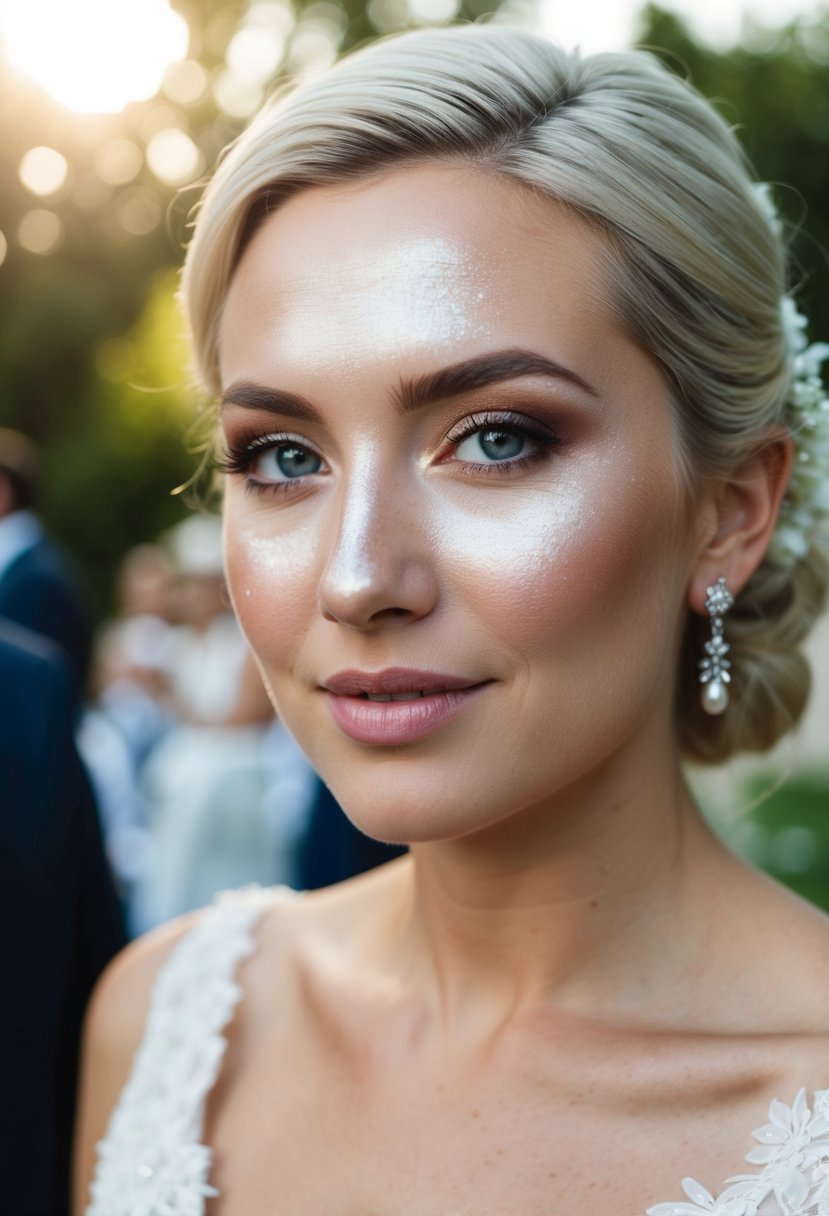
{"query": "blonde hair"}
(699, 270)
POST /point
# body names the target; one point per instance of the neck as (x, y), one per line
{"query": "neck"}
(570, 901)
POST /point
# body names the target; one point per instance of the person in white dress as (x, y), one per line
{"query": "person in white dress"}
(224, 807)
(523, 448)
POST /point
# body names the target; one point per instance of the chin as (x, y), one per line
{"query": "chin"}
(414, 817)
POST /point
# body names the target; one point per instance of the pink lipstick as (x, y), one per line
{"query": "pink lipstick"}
(398, 705)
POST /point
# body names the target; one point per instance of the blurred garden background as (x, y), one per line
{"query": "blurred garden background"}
(113, 111)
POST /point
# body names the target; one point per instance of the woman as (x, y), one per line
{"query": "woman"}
(507, 414)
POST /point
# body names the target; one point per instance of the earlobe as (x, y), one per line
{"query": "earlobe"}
(746, 505)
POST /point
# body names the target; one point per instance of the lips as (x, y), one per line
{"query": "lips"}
(393, 681)
(398, 705)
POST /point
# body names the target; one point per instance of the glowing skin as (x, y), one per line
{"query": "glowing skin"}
(559, 581)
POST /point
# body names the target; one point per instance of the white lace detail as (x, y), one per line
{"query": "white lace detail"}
(151, 1161)
(794, 1181)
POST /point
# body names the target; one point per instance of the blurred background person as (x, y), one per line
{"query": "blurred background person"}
(102, 146)
(133, 650)
(38, 589)
(131, 711)
(227, 788)
(60, 916)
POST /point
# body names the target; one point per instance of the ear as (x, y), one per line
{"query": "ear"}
(741, 514)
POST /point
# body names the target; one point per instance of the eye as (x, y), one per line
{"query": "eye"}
(285, 462)
(506, 441)
(493, 444)
(271, 462)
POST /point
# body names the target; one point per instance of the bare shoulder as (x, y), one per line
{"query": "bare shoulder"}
(113, 1029)
(119, 1004)
(792, 962)
(332, 939)
(778, 959)
(794, 936)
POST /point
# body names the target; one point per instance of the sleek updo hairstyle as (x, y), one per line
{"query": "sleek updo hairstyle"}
(697, 271)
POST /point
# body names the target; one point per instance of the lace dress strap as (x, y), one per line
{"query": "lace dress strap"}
(151, 1161)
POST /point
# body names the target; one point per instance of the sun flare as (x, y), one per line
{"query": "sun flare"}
(93, 56)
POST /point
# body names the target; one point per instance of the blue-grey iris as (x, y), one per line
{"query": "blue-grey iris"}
(297, 462)
(501, 445)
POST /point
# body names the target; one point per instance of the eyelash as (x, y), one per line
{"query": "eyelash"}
(513, 424)
(239, 457)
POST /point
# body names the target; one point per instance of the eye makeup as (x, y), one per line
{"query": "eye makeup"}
(513, 522)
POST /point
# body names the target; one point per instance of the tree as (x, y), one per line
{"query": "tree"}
(83, 352)
(774, 88)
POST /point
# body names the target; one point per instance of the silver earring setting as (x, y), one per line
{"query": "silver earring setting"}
(714, 673)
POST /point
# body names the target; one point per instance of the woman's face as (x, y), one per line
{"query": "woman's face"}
(451, 474)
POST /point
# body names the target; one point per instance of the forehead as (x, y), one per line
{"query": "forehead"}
(429, 258)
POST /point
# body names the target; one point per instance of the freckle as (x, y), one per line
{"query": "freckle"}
(476, 1114)
(594, 903)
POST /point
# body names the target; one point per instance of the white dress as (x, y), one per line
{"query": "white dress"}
(152, 1161)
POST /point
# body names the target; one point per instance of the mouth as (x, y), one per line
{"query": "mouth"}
(397, 705)
(394, 684)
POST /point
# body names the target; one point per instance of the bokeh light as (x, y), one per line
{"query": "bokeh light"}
(388, 16)
(433, 12)
(159, 117)
(254, 55)
(40, 231)
(174, 158)
(312, 50)
(235, 96)
(118, 161)
(43, 170)
(94, 56)
(138, 210)
(316, 40)
(4, 248)
(186, 82)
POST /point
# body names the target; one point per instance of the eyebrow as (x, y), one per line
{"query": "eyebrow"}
(256, 397)
(477, 372)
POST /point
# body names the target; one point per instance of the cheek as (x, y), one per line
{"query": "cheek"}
(571, 566)
(268, 576)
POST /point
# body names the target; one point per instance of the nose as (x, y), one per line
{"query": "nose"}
(381, 565)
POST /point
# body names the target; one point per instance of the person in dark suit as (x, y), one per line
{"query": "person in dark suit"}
(59, 917)
(332, 848)
(37, 587)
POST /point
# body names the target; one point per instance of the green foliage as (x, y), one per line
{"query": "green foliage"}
(111, 478)
(774, 89)
(92, 363)
(789, 836)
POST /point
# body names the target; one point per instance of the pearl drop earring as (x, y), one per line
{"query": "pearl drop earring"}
(715, 667)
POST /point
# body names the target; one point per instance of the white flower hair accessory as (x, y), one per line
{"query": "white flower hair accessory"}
(806, 503)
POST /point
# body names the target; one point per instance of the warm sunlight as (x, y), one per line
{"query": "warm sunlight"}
(608, 25)
(94, 56)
